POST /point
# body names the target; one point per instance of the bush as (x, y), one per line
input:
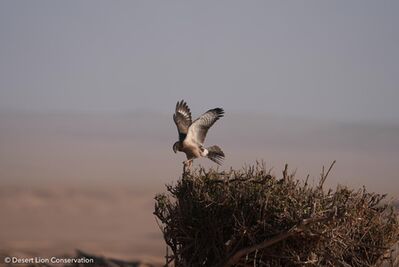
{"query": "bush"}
(251, 218)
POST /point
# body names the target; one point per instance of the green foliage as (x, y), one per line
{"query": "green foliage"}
(249, 217)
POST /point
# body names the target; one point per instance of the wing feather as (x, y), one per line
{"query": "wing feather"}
(182, 118)
(199, 128)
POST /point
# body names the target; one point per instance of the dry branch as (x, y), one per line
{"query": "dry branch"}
(280, 237)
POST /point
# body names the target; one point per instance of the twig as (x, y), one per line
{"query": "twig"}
(324, 176)
(285, 171)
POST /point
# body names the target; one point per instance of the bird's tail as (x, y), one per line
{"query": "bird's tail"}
(215, 154)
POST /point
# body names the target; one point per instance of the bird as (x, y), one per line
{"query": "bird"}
(192, 134)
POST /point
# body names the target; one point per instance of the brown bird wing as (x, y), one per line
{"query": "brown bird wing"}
(199, 128)
(182, 118)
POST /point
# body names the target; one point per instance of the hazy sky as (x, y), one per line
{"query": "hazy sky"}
(323, 59)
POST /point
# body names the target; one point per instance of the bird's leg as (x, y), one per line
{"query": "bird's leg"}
(187, 165)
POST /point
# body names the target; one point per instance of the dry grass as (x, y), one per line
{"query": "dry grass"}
(251, 218)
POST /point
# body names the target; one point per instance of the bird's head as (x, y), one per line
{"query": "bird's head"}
(176, 146)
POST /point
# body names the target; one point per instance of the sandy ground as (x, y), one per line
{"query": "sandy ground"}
(110, 221)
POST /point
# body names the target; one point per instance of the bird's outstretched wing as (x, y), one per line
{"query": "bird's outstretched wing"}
(182, 118)
(198, 129)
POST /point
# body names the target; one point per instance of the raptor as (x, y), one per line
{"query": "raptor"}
(192, 134)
